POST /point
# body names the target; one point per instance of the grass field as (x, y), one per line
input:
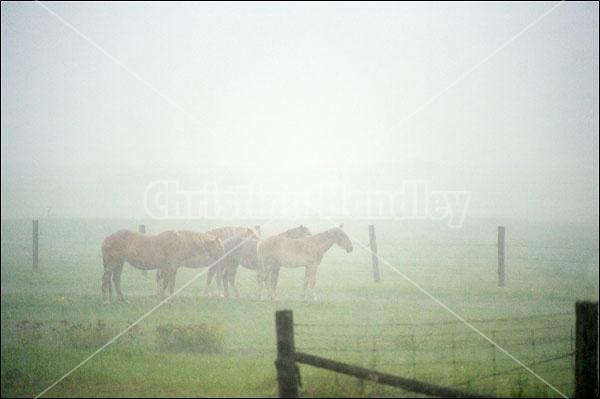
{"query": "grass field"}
(55, 327)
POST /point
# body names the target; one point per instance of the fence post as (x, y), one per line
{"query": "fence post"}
(374, 258)
(35, 245)
(500, 256)
(287, 371)
(586, 349)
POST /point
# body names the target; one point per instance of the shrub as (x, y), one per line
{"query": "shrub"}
(29, 333)
(195, 338)
(83, 335)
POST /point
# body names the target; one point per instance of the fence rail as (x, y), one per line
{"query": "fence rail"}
(384, 378)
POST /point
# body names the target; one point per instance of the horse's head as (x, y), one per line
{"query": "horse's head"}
(342, 239)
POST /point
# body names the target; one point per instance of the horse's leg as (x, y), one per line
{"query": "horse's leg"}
(313, 280)
(225, 280)
(268, 281)
(227, 277)
(261, 276)
(117, 281)
(158, 283)
(220, 272)
(209, 277)
(161, 284)
(106, 277)
(306, 282)
(274, 278)
(162, 280)
(171, 275)
(231, 279)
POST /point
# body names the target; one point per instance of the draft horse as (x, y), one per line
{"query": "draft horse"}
(164, 252)
(239, 251)
(305, 252)
(224, 233)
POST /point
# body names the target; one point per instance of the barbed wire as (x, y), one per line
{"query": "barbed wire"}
(435, 323)
(513, 370)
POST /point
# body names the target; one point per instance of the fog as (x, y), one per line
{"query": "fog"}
(498, 100)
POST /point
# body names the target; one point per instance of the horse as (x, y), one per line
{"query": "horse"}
(305, 252)
(164, 252)
(224, 233)
(240, 251)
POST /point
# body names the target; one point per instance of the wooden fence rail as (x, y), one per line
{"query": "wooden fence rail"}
(384, 378)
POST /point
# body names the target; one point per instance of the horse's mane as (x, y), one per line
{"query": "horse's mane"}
(188, 236)
(224, 232)
(296, 232)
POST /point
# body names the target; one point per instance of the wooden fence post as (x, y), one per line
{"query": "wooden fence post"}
(500, 256)
(35, 245)
(586, 349)
(374, 258)
(287, 371)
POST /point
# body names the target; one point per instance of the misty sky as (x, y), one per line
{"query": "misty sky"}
(474, 87)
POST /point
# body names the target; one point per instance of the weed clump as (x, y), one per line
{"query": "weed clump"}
(194, 338)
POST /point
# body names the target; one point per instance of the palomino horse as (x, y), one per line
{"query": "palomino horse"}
(240, 251)
(300, 252)
(224, 233)
(166, 252)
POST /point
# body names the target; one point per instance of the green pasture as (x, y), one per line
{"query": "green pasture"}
(59, 339)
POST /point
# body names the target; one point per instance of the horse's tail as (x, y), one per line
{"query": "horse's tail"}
(105, 262)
